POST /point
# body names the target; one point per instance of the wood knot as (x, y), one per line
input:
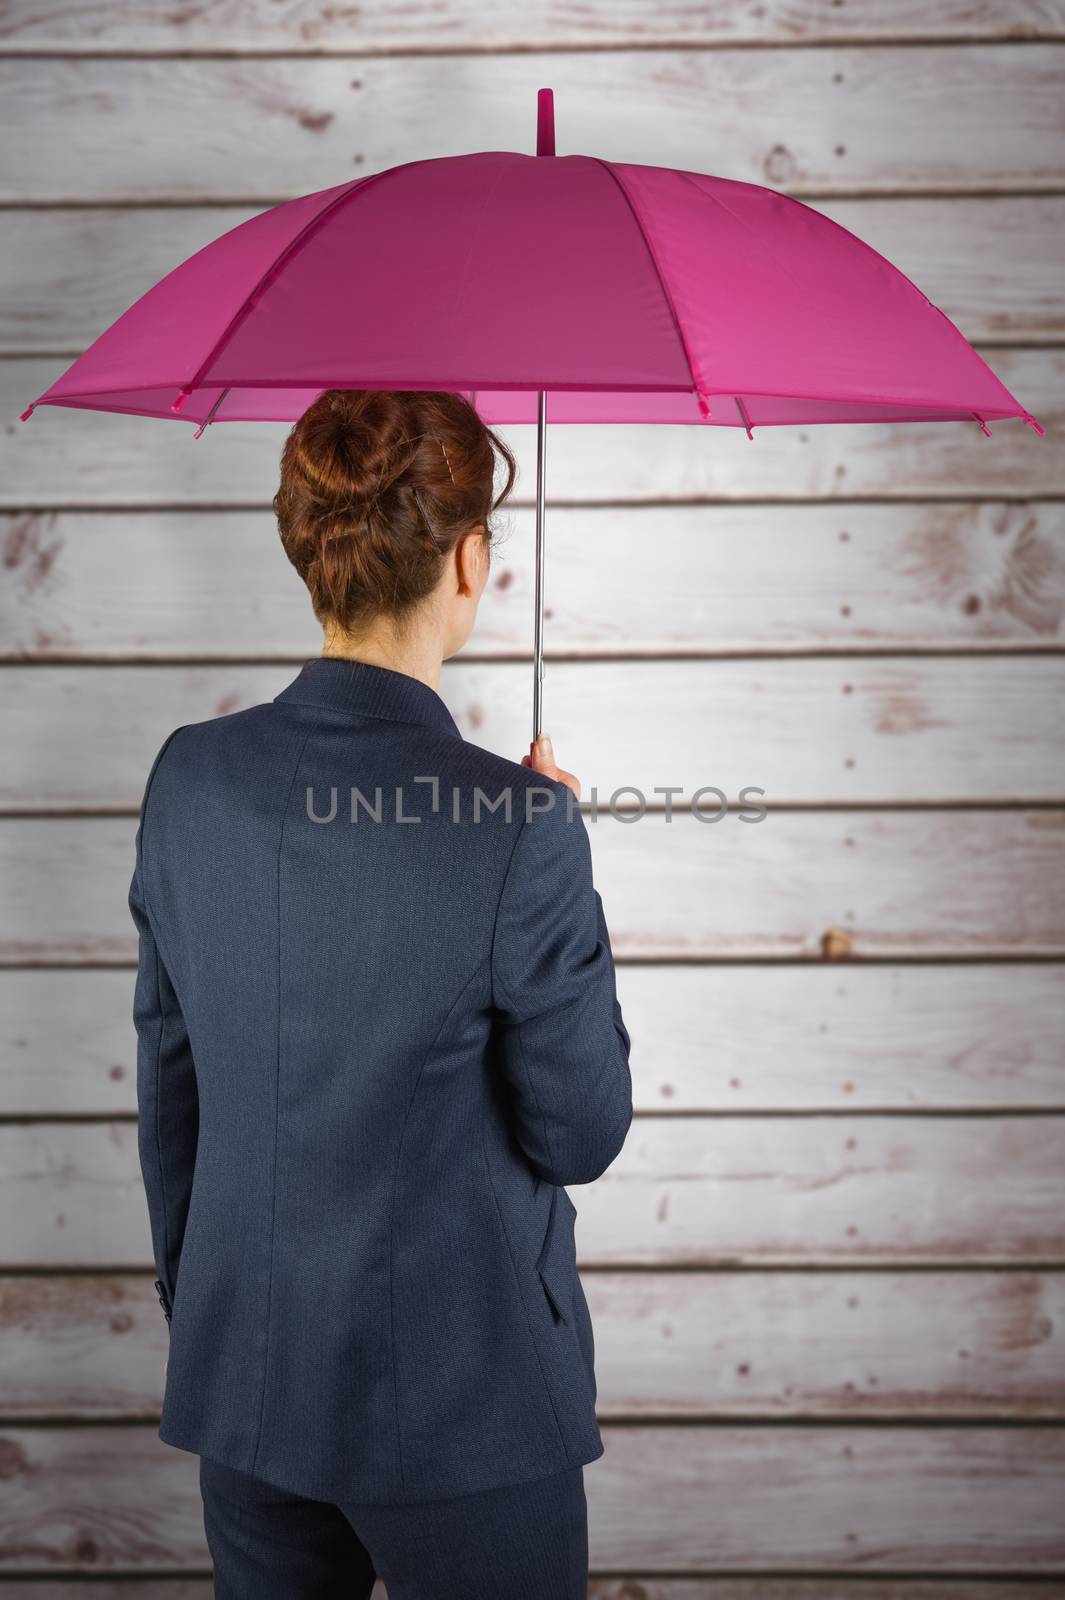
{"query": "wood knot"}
(12, 1459)
(836, 944)
(780, 166)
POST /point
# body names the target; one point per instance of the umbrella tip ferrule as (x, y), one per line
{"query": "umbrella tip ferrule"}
(28, 413)
(984, 429)
(545, 122)
(183, 395)
(1032, 423)
(704, 404)
(748, 426)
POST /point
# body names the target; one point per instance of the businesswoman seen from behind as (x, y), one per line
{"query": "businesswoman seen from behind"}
(378, 1033)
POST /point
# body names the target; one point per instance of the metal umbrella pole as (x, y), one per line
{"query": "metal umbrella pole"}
(538, 626)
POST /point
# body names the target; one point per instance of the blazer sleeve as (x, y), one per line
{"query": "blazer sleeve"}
(167, 1100)
(563, 1042)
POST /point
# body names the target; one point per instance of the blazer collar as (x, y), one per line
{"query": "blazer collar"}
(364, 690)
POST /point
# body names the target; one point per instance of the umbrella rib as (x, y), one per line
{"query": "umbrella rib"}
(295, 244)
(666, 293)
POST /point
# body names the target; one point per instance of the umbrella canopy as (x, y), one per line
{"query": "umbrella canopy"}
(627, 293)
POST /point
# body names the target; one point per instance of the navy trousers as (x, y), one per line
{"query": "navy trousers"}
(527, 1541)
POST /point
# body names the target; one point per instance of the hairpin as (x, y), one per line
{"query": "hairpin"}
(447, 458)
(425, 519)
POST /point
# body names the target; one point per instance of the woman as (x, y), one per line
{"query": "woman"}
(378, 1032)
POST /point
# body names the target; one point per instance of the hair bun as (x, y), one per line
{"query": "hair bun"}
(377, 486)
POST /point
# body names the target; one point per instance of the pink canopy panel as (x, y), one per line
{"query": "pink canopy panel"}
(627, 293)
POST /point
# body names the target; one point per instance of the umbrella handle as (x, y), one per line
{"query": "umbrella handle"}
(545, 146)
(538, 602)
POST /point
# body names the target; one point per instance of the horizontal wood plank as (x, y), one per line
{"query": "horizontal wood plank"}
(64, 457)
(623, 1588)
(182, 585)
(966, 1037)
(303, 27)
(816, 731)
(763, 1588)
(820, 1037)
(729, 1498)
(840, 1344)
(798, 884)
(830, 121)
(738, 1191)
(992, 263)
(984, 1346)
(683, 1192)
(827, 1498)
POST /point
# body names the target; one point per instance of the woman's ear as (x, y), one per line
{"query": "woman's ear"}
(471, 560)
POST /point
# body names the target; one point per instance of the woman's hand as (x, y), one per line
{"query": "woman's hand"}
(541, 758)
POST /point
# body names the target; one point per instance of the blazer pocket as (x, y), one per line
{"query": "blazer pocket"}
(557, 1263)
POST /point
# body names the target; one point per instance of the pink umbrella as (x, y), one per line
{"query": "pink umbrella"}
(625, 293)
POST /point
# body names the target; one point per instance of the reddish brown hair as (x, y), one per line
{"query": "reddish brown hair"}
(377, 488)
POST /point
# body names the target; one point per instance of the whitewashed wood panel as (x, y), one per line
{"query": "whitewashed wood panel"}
(991, 262)
(67, 1043)
(863, 1500)
(807, 1037)
(986, 1346)
(760, 1588)
(689, 1191)
(171, 1588)
(157, 586)
(730, 1038)
(63, 457)
(624, 1588)
(874, 883)
(873, 1344)
(870, 883)
(759, 1190)
(930, 729)
(830, 121)
(307, 27)
(732, 1498)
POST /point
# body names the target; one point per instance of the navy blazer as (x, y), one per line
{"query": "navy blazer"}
(378, 1032)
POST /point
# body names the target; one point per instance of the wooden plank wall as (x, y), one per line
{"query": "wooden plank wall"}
(828, 1269)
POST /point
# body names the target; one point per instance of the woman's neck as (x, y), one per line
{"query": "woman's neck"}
(418, 656)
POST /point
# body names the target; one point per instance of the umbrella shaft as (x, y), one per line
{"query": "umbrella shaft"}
(538, 625)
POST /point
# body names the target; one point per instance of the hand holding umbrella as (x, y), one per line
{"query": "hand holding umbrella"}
(541, 758)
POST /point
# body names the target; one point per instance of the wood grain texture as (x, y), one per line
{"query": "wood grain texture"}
(803, 732)
(762, 1190)
(827, 1272)
(992, 263)
(157, 586)
(821, 1037)
(984, 1346)
(623, 1588)
(875, 883)
(685, 1191)
(861, 1500)
(730, 1498)
(762, 1588)
(839, 1344)
(790, 1037)
(832, 121)
(71, 458)
(311, 28)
